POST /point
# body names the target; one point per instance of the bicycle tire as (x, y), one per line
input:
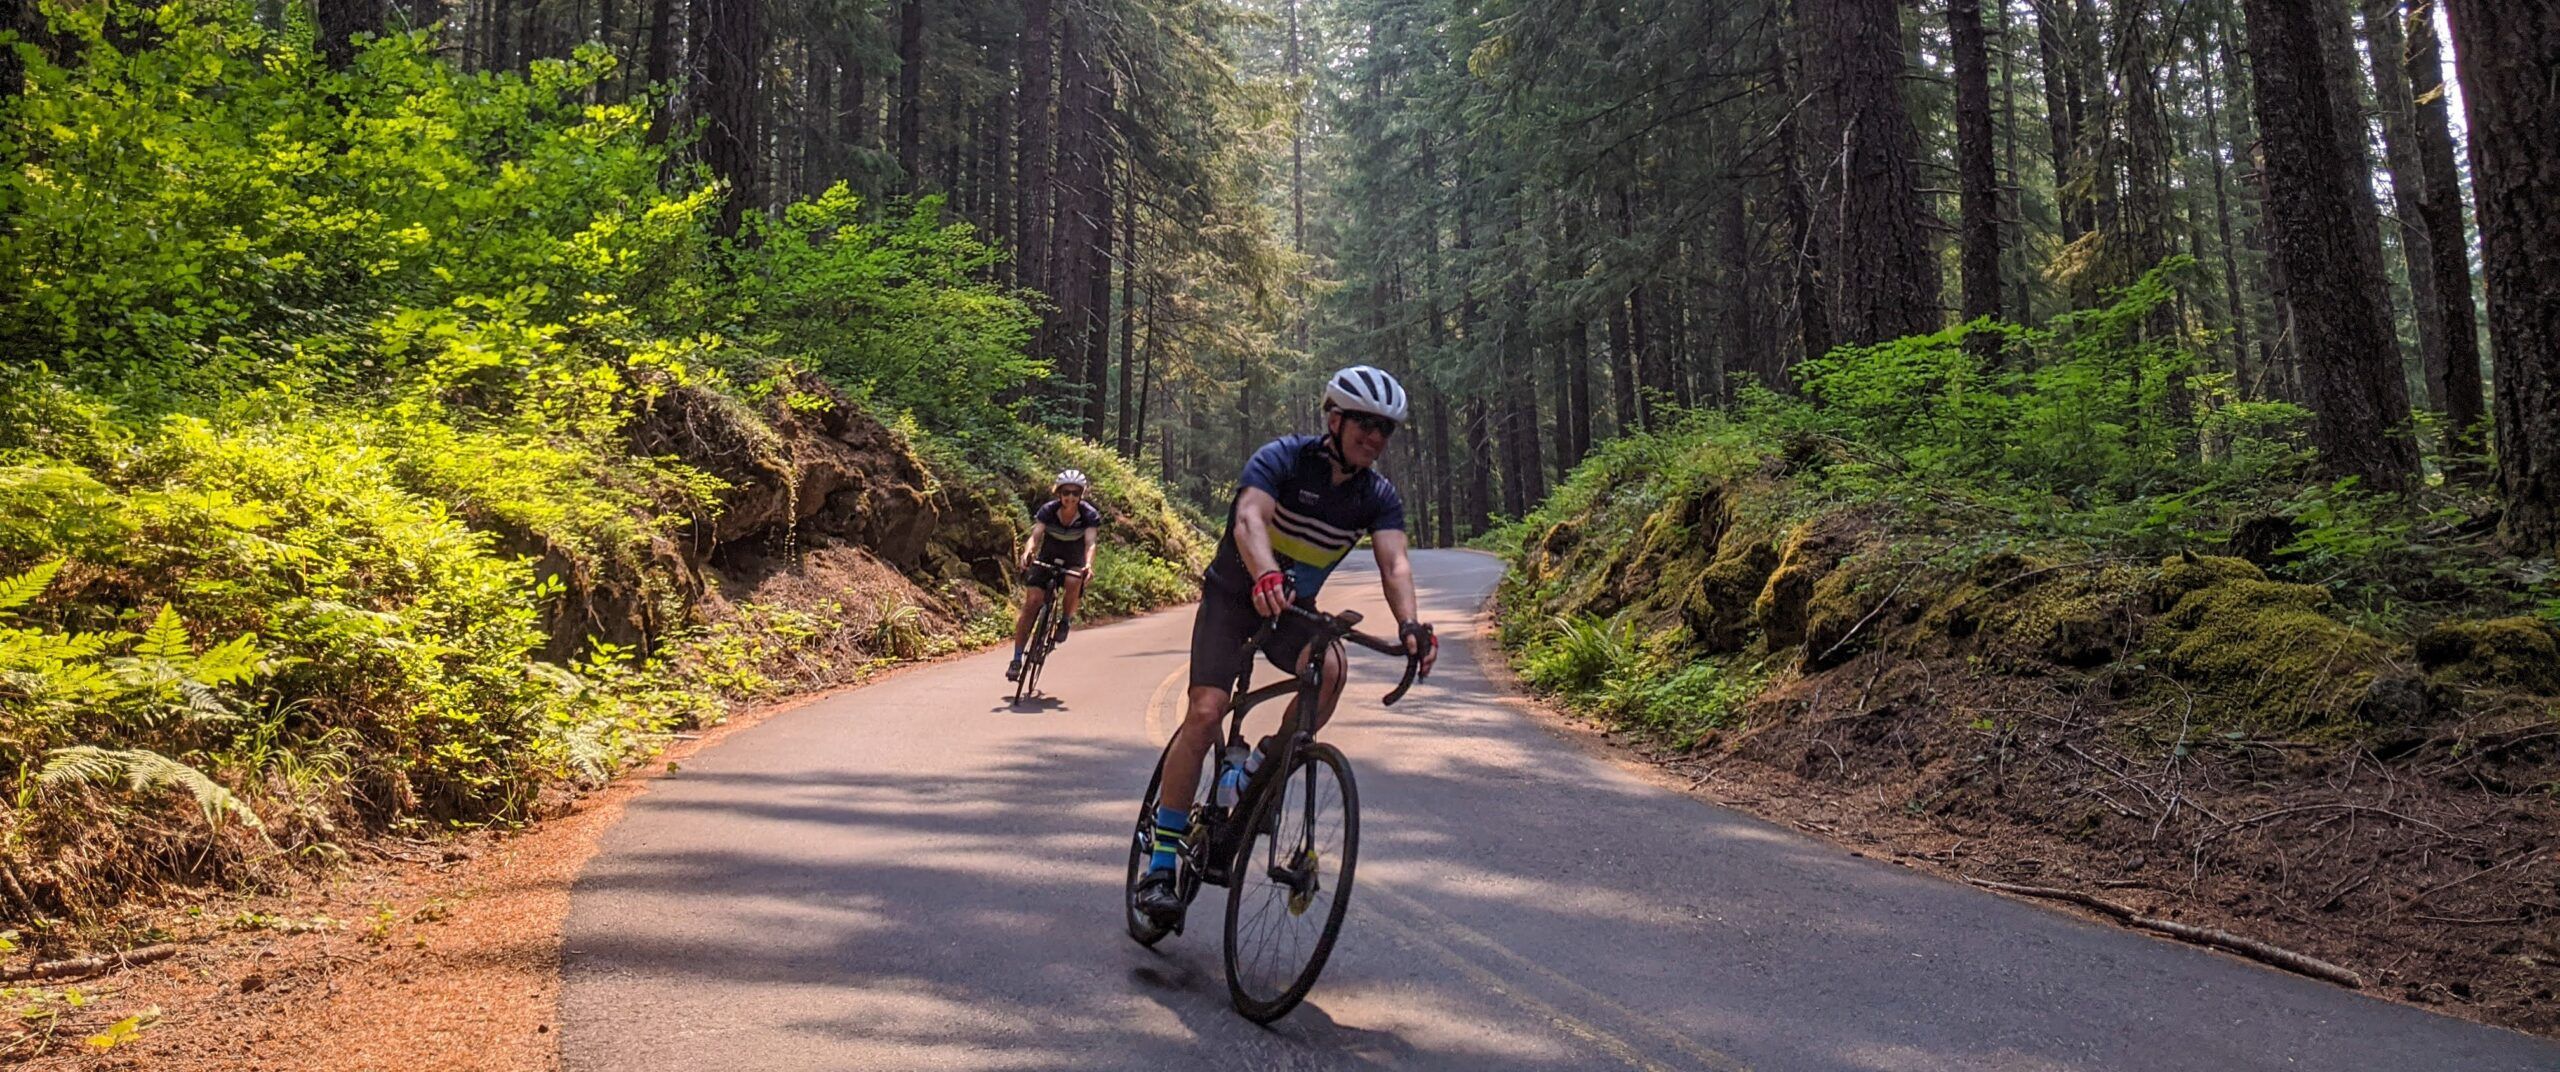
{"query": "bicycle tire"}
(1141, 853)
(1033, 655)
(1267, 826)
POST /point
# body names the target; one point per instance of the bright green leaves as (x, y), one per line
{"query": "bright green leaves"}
(22, 589)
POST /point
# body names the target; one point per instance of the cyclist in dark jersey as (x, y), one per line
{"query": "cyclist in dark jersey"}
(1062, 530)
(1301, 506)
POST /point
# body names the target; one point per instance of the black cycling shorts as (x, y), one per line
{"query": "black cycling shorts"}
(1039, 574)
(1218, 633)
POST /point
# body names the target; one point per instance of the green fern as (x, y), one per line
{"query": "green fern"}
(22, 589)
(167, 639)
(142, 770)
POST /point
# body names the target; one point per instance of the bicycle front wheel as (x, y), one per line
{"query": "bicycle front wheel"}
(1034, 655)
(1290, 883)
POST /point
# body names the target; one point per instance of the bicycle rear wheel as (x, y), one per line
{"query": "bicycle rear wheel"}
(1290, 883)
(1141, 853)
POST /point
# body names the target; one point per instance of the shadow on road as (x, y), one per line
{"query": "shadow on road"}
(909, 888)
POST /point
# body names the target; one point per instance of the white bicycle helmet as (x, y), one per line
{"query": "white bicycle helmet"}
(1071, 476)
(1362, 389)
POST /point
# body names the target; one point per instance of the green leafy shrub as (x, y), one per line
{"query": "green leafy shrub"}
(348, 366)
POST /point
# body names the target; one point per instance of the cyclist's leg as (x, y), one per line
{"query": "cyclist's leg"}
(1074, 596)
(1290, 649)
(1206, 707)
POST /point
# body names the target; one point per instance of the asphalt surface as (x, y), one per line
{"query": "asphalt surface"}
(921, 875)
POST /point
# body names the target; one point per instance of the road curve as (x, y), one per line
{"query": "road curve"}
(918, 875)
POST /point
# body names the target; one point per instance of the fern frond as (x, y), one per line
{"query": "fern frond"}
(22, 589)
(202, 702)
(142, 770)
(167, 639)
(232, 662)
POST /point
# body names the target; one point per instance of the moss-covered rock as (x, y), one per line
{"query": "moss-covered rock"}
(2516, 653)
(2183, 574)
(1846, 613)
(1719, 611)
(2267, 651)
(1809, 554)
(2078, 618)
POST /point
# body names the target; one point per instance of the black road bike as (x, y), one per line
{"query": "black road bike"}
(1043, 629)
(1286, 847)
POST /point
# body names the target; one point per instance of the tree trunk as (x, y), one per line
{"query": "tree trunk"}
(2334, 281)
(1881, 282)
(1069, 285)
(2440, 204)
(1480, 474)
(2013, 237)
(2347, 82)
(729, 146)
(661, 65)
(1097, 179)
(911, 92)
(2234, 304)
(2058, 110)
(2507, 52)
(1031, 211)
(2408, 187)
(1128, 303)
(335, 24)
(1978, 172)
(1443, 487)
(1443, 521)
(2141, 215)
(13, 69)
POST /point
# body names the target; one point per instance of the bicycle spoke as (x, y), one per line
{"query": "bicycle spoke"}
(1285, 901)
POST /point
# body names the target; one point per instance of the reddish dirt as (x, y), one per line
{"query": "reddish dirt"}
(441, 956)
(2426, 865)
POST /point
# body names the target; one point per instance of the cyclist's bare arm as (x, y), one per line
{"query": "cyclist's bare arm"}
(1254, 511)
(1395, 573)
(1031, 546)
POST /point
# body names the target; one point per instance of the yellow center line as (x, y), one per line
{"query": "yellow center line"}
(1464, 935)
(1156, 700)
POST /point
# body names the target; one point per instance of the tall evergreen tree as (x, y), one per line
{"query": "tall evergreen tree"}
(2333, 282)
(2507, 54)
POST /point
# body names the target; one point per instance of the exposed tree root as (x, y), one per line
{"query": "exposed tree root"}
(77, 967)
(2220, 939)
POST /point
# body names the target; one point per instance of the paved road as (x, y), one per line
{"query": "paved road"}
(917, 875)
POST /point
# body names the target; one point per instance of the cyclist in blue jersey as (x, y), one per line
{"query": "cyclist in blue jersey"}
(1302, 504)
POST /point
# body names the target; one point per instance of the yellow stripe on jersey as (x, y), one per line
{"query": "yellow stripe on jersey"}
(1301, 551)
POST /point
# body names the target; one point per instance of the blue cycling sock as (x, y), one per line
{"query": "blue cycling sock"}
(1171, 824)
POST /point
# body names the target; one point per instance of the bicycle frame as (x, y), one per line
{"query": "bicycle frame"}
(1295, 732)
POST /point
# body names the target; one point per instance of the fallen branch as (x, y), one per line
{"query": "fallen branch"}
(83, 966)
(2220, 939)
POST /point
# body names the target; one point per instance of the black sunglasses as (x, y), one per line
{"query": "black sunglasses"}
(1372, 422)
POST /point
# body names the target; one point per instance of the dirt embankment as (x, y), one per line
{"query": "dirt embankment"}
(2190, 740)
(832, 554)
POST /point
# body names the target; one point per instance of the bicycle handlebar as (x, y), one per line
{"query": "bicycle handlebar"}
(1342, 626)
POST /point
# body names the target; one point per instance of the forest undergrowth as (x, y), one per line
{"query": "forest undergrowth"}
(2046, 607)
(393, 450)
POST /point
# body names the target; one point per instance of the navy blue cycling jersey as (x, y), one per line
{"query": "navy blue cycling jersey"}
(1062, 538)
(1318, 521)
